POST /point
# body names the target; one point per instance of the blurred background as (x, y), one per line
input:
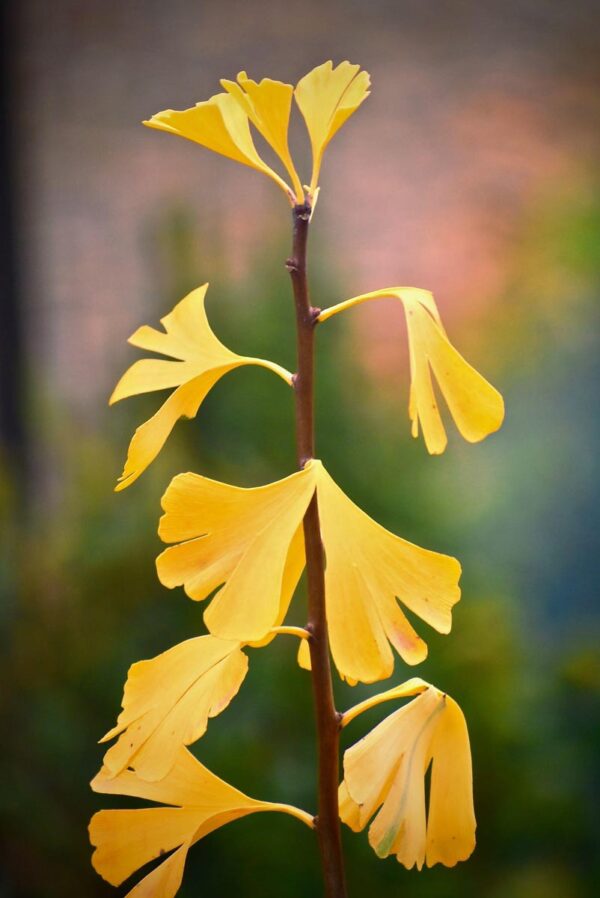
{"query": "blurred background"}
(472, 170)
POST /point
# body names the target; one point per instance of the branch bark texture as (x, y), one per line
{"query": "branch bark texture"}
(327, 718)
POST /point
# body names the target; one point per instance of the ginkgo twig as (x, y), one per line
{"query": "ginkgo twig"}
(328, 823)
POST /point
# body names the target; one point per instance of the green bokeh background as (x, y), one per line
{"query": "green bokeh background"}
(520, 511)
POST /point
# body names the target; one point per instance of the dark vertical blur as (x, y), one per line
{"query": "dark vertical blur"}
(12, 363)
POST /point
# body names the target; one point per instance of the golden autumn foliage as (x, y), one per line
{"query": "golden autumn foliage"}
(243, 551)
(197, 361)
(475, 405)
(250, 540)
(385, 773)
(194, 802)
(326, 97)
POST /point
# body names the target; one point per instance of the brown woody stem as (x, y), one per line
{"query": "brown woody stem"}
(327, 718)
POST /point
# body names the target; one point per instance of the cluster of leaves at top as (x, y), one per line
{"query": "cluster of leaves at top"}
(247, 544)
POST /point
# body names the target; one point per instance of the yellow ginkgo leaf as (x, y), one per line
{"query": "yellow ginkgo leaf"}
(327, 97)
(167, 702)
(386, 771)
(251, 541)
(199, 360)
(367, 569)
(198, 802)
(268, 105)
(221, 125)
(476, 406)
